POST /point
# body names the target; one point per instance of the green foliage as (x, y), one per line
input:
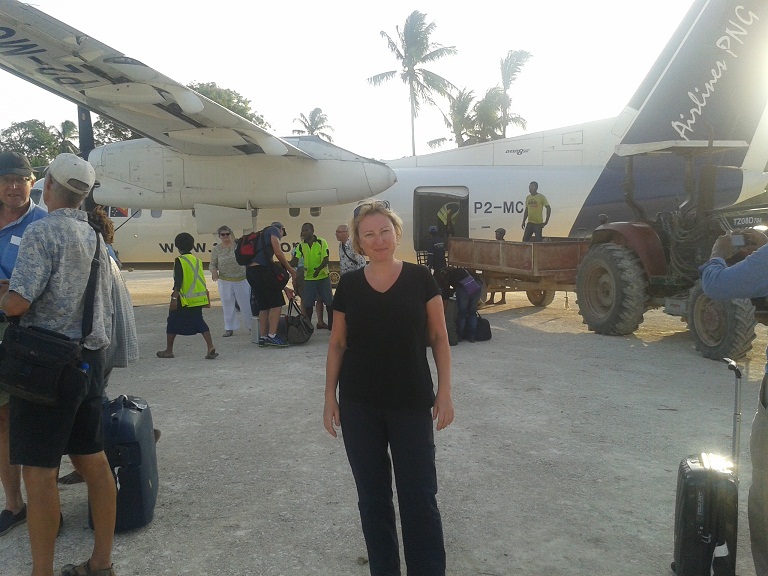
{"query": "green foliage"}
(106, 131)
(412, 50)
(231, 100)
(33, 139)
(315, 124)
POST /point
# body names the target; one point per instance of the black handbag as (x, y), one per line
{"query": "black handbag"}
(299, 327)
(43, 366)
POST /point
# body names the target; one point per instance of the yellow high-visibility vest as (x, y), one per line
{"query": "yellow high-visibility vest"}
(193, 291)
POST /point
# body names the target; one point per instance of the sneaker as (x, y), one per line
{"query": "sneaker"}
(9, 520)
(276, 341)
(262, 341)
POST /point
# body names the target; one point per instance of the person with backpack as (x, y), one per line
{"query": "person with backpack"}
(189, 297)
(267, 288)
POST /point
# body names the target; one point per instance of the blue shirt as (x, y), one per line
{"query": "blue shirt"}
(745, 279)
(10, 238)
(264, 247)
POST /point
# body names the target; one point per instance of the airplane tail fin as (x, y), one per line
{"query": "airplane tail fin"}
(709, 80)
(710, 83)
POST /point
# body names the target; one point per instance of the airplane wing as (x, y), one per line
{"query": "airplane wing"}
(54, 56)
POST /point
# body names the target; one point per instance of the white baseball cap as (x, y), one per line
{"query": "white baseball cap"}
(73, 173)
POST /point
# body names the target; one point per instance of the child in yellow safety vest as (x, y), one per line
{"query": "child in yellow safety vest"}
(189, 297)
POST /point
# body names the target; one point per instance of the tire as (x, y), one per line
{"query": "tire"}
(720, 328)
(611, 290)
(334, 274)
(540, 298)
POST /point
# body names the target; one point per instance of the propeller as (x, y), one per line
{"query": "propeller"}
(87, 143)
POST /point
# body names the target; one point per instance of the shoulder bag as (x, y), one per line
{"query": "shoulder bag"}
(299, 326)
(470, 284)
(43, 366)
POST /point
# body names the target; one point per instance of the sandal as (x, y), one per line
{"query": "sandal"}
(164, 354)
(211, 354)
(84, 569)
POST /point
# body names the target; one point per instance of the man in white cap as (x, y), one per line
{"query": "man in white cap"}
(17, 211)
(47, 289)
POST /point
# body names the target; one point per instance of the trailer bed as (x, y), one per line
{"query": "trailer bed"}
(549, 265)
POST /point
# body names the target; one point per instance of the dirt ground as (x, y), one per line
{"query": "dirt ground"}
(562, 459)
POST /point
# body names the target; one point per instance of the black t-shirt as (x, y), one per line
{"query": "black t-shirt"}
(385, 363)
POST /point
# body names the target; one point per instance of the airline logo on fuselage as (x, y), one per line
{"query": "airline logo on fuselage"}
(202, 247)
(736, 31)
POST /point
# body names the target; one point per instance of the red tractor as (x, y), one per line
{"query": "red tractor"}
(632, 267)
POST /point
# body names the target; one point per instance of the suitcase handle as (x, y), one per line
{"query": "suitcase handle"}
(733, 366)
(736, 445)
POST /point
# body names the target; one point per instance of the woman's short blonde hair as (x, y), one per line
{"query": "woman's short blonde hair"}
(369, 209)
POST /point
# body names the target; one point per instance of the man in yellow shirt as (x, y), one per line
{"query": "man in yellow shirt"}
(317, 281)
(535, 204)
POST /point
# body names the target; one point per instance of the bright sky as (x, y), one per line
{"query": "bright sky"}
(290, 57)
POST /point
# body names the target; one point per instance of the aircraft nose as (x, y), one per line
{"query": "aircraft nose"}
(379, 176)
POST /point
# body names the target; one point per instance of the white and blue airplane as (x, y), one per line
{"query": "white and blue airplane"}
(709, 83)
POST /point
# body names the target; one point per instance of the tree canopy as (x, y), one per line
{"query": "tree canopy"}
(231, 100)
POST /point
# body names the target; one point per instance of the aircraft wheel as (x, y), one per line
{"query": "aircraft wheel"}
(611, 290)
(720, 329)
(540, 298)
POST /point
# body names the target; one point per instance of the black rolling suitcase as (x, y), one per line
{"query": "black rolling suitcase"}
(129, 442)
(707, 507)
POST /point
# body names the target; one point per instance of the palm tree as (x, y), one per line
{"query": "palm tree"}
(487, 114)
(64, 135)
(315, 124)
(459, 120)
(413, 50)
(510, 68)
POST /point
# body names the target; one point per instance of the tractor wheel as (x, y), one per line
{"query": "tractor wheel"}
(611, 290)
(540, 298)
(720, 328)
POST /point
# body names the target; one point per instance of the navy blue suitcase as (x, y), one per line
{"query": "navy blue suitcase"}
(129, 443)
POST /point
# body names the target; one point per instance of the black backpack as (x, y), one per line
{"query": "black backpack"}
(245, 247)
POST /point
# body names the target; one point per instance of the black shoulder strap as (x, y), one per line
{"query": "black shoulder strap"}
(90, 290)
(344, 248)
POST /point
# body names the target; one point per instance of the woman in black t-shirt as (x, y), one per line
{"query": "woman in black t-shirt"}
(384, 316)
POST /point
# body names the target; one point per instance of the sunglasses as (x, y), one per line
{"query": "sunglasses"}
(224, 234)
(9, 180)
(371, 204)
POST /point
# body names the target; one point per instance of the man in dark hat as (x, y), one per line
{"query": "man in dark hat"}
(17, 211)
(435, 251)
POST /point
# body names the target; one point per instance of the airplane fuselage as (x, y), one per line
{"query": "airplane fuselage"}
(145, 174)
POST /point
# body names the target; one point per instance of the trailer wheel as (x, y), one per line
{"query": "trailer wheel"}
(611, 290)
(720, 328)
(540, 298)
(334, 273)
(483, 290)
